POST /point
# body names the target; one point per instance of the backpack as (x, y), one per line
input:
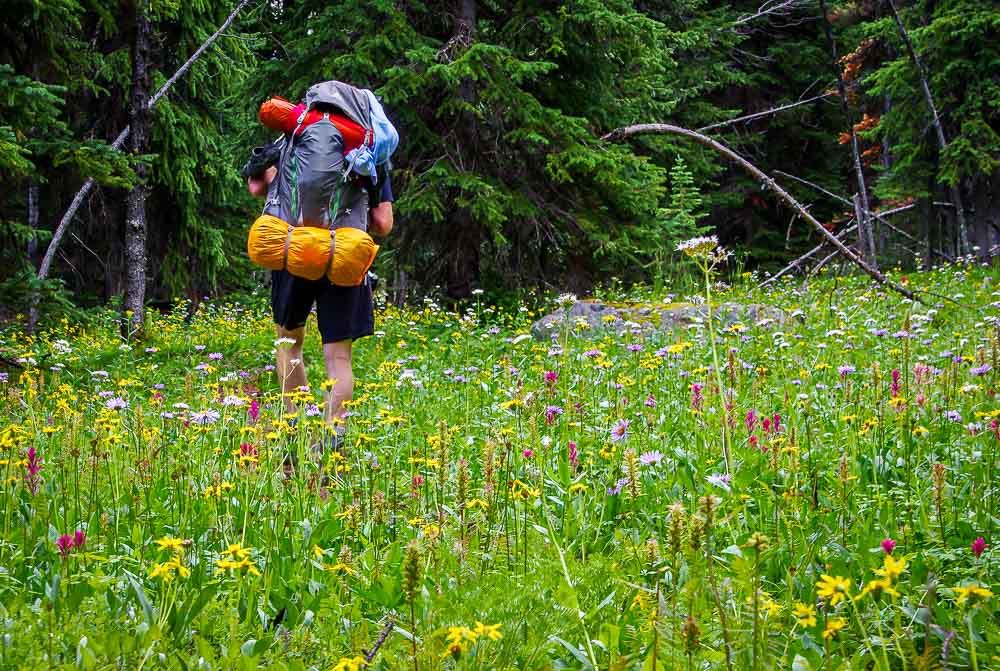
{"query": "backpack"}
(313, 185)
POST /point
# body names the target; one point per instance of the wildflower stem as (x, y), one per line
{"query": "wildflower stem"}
(972, 641)
(706, 269)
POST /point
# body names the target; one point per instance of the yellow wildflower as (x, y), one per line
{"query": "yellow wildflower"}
(972, 593)
(833, 627)
(491, 631)
(891, 568)
(355, 663)
(805, 615)
(175, 545)
(836, 589)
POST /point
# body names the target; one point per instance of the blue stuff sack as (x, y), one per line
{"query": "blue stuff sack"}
(364, 159)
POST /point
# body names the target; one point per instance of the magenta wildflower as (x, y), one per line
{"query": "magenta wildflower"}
(574, 457)
(551, 376)
(34, 467)
(750, 420)
(888, 545)
(978, 546)
(894, 387)
(696, 397)
(254, 410)
(79, 538)
(528, 454)
(65, 545)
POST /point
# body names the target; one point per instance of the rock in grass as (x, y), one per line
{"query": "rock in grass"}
(592, 318)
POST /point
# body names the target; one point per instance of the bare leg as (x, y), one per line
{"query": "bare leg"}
(291, 367)
(337, 356)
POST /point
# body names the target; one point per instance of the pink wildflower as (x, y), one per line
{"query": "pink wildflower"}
(978, 546)
(33, 466)
(696, 397)
(65, 545)
(888, 545)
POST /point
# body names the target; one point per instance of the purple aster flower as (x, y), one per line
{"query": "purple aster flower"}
(635, 347)
(846, 370)
(953, 415)
(116, 403)
(215, 356)
(981, 370)
(205, 417)
(619, 431)
(651, 458)
(719, 480)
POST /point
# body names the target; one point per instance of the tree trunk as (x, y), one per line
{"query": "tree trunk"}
(135, 208)
(465, 234)
(864, 223)
(955, 189)
(32, 218)
(90, 183)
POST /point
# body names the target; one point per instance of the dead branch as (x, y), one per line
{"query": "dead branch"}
(767, 182)
(770, 7)
(67, 218)
(758, 115)
(805, 257)
(867, 240)
(956, 193)
(880, 216)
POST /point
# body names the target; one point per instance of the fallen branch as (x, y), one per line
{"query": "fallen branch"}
(67, 218)
(767, 182)
(805, 257)
(758, 115)
(879, 216)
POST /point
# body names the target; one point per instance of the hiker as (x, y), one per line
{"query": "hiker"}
(343, 314)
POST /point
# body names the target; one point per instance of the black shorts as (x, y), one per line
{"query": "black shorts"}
(343, 313)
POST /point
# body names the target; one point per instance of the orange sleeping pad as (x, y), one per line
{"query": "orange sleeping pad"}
(343, 255)
(281, 115)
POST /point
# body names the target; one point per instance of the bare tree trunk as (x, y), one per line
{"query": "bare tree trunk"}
(767, 182)
(88, 185)
(864, 222)
(466, 233)
(32, 218)
(865, 234)
(955, 189)
(135, 205)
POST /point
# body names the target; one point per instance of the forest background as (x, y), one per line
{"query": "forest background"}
(503, 181)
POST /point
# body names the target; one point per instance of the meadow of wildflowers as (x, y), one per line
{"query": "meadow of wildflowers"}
(816, 492)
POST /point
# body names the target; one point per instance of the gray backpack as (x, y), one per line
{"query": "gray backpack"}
(314, 185)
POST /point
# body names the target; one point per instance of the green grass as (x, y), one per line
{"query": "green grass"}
(459, 505)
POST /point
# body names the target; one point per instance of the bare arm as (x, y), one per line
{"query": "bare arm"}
(380, 219)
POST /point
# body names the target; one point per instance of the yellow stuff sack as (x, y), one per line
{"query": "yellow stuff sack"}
(343, 255)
